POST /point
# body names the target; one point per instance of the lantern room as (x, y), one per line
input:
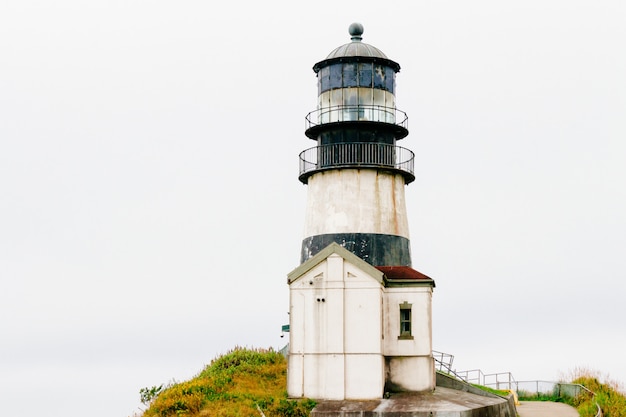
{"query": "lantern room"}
(356, 123)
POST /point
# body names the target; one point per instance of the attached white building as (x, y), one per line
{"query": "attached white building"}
(357, 331)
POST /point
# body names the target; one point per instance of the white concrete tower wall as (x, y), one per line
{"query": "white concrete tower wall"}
(332, 203)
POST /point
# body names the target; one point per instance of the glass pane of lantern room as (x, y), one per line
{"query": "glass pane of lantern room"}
(350, 103)
(365, 74)
(390, 79)
(390, 104)
(349, 74)
(390, 100)
(365, 103)
(324, 107)
(323, 81)
(336, 103)
(379, 76)
(379, 106)
(335, 76)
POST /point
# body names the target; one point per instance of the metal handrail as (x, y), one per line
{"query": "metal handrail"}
(360, 154)
(593, 394)
(513, 385)
(473, 376)
(359, 112)
(443, 361)
(508, 380)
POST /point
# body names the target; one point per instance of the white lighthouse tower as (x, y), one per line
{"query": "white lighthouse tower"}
(360, 315)
(356, 173)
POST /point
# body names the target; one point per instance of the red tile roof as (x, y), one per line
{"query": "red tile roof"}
(401, 272)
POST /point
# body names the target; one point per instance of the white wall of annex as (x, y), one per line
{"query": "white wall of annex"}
(412, 373)
(324, 376)
(421, 317)
(363, 312)
(336, 333)
(365, 376)
(295, 375)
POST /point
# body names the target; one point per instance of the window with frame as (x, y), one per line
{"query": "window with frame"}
(405, 321)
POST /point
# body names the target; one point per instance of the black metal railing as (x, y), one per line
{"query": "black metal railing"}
(360, 112)
(351, 155)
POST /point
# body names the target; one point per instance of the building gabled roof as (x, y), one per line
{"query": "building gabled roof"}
(341, 251)
(388, 276)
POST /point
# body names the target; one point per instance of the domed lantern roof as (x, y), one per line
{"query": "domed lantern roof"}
(356, 50)
(356, 47)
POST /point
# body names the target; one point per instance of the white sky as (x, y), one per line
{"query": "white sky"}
(150, 208)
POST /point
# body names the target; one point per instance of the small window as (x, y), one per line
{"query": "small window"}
(405, 321)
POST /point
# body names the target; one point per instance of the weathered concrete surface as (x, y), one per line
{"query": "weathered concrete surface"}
(443, 402)
(545, 409)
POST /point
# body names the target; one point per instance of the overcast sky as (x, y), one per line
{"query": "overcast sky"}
(150, 208)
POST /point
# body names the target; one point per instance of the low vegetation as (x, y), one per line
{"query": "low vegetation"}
(554, 396)
(243, 382)
(251, 382)
(609, 395)
(500, 392)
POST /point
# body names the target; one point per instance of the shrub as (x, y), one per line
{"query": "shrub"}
(608, 394)
(238, 383)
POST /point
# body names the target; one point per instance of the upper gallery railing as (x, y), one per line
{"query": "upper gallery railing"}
(353, 113)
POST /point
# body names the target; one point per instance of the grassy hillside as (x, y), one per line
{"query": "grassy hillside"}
(251, 382)
(243, 382)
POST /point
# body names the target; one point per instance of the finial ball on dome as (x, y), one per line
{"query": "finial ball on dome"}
(355, 29)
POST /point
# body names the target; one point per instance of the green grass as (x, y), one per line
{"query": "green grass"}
(501, 393)
(238, 384)
(525, 396)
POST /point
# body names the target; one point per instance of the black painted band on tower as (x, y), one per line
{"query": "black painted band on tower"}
(374, 248)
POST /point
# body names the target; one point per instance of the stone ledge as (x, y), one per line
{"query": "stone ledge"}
(443, 402)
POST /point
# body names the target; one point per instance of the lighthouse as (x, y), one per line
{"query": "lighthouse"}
(360, 315)
(356, 173)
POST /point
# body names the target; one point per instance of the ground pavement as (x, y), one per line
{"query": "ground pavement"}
(545, 409)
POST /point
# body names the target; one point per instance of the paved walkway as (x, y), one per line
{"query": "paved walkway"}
(545, 409)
